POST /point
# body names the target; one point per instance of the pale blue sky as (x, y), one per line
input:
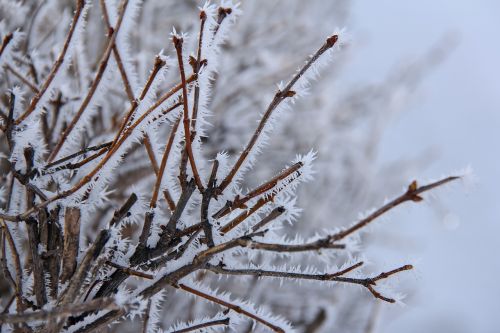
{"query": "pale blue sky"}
(457, 113)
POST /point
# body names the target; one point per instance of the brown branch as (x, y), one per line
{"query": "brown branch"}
(73, 166)
(186, 122)
(246, 213)
(278, 98)
(17, 265)
(23, 79)
(197, 67)
(36, 263)
(412, 194)
(95, 83)
(335, 277)
(231, 306)
(130, 271)
(5, 41)
(81, 152)
(87, 178)
(82, 271)
(292, 247)
(60, 311)
(71, 242)
(274, 214)
(57, 64)
(101, 322)
(5, 268)
(224, 321)
(163, 165)
(124, 210)
(267, 186)
(116, 54)
(208, 194)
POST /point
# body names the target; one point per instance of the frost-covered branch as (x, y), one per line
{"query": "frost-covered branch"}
(117, 200)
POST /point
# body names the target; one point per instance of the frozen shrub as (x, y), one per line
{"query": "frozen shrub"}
(111, 201)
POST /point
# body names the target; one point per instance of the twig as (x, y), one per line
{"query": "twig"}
(163, 165)
(231, 306)
(278, 98)
(6, 40)
(23, 79)
(205, 203)
(57, 64)
(412, 194)
(116, 54)
(130, 271)
(336, 277)
(274, 214)
(224, 321)
(267, 186)
(124, 210)
(71, 242)
(38, 273)
(196, 68)
(81, 152)
(187, 132)
(95, 83)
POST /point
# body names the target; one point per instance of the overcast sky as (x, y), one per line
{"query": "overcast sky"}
(458, 114)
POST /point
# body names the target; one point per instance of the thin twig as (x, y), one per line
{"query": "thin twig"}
(130, 271)
(267, 186)
(278, 98)
(95, 83)
(186, 122)
(57, 64)
(23, 79)
(336, 277)
(224, 321)
(81, 152)
(163, 164)
(231, 306)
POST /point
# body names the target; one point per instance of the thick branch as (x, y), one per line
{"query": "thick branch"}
(68, 310)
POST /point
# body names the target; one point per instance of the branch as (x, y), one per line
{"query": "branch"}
(267, 186)
(17, 265)
(187, 132)
(278, 98)
(205, 203)
(163, 165)
(224, 321)
(412, 194)
(196, 68)
(130, 271)
(95, 83)
(105, 146)
(336, 277)
(233, 307)
(57, 64)
(6, 40)
(68, 310)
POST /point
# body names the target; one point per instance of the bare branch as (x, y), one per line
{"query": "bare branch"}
(231, 306)
(57, 64)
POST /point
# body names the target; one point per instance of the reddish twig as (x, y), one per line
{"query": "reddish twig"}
(57, 64)
(185, 120)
